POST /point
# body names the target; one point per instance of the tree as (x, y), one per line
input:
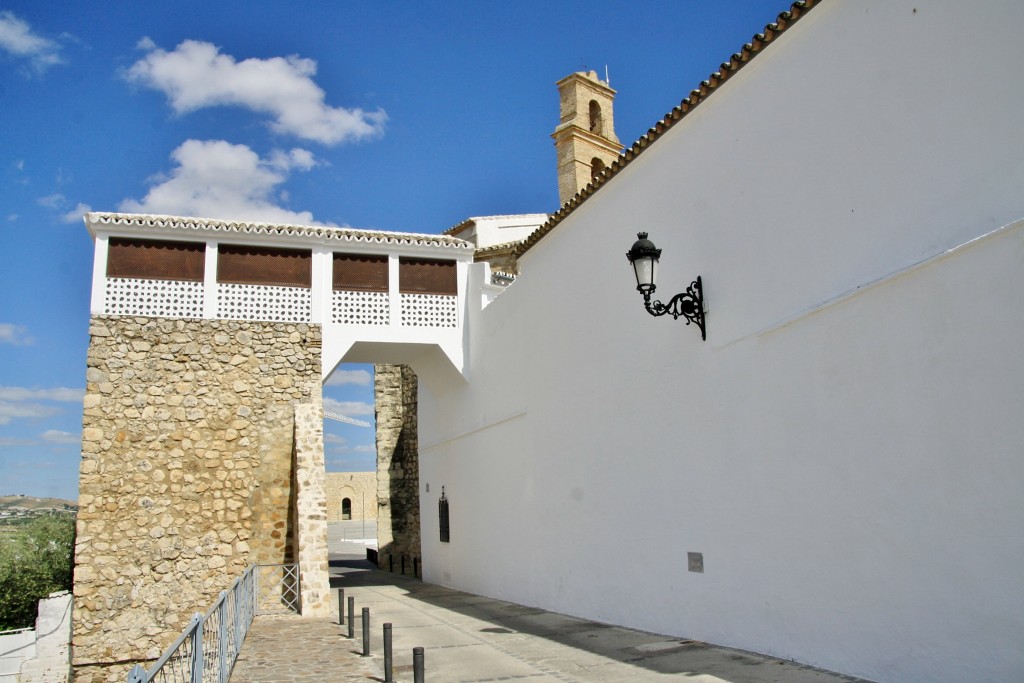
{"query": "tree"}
(35, 561)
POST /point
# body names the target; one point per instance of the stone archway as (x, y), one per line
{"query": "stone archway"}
(203, 433)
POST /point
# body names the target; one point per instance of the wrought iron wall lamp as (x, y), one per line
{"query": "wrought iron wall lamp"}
(689, 304)
(444, 523)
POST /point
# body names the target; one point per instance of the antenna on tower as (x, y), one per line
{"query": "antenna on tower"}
(607, 80)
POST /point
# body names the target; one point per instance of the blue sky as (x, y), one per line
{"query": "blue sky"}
(407, 116)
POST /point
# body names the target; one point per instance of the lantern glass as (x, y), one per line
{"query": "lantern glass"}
(646, 270)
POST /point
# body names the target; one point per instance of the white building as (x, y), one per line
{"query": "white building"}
(844, 451)
(485, 232)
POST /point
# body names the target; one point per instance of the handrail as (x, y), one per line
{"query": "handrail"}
(17, 630)
(211, 642)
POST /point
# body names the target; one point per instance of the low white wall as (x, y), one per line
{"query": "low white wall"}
(15, 647)
(844, 454)
(42, 654)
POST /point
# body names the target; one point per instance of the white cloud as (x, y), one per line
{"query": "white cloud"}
(217, 179)
(299, 158)
(196, 75)
(351, 464)
(342, 377)
(14, 334)
(335, 440)
(53, 201)
(348, 408)
(58, 202)
(18, 40)
(55, 394)
(15, 402)
(75, 214)
(361, 451)
(59, 437)
(15, 441)
(9, 411)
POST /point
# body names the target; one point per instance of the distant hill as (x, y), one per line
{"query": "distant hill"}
(31, 504)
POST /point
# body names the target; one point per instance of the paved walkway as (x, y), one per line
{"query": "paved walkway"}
(469, 638)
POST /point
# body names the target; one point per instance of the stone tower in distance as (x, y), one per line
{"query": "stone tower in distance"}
(585, 137)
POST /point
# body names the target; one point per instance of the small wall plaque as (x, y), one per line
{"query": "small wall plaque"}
(695, 562)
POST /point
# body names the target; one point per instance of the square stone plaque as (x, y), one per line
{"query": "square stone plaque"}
(695, 562)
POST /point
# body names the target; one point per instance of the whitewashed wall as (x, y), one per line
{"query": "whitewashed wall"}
(846, 455)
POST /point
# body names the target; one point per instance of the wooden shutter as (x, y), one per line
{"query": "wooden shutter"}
(360, 273)
(246, 265)
(155, 260)
(426, 276)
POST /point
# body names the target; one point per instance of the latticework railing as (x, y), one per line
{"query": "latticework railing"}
(429, 310)
(207, 649)
(231, 301)
(277, 589)
(360, 308)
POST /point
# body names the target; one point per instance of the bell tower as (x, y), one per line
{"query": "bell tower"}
(585, 137)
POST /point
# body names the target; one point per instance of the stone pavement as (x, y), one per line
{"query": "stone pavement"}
(469, 638)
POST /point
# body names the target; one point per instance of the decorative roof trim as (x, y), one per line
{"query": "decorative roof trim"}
(304, 233)
(502, 279)
(459, 226)
(495, 248)
(772, 31)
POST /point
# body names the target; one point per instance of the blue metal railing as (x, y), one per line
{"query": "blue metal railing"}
(208, 647)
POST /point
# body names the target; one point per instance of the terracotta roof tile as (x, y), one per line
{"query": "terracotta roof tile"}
(306, 232)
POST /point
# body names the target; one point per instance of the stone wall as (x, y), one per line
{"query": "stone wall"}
(310, 510)
(398, 499)
(361, 490)
(273, 492)
(186, 476)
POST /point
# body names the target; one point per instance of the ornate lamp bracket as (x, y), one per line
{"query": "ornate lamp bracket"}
(688, 304)
(644, 256)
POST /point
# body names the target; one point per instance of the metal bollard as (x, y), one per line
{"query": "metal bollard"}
(417, 665)
(366, 631)
(388, 665)
(391, 563)
(403, 565)
(416, 567)
(351, 616)
(341, 606)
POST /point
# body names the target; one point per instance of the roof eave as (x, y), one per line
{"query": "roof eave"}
(178, 226)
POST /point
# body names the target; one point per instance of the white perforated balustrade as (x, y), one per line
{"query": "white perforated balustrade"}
(179, 299)
(263, 302)
(360, 308)
(429, 310)
(154, 298)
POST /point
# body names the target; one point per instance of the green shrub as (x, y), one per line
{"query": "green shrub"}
(35, 560)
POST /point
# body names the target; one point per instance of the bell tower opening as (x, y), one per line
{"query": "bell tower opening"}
(595, 117)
